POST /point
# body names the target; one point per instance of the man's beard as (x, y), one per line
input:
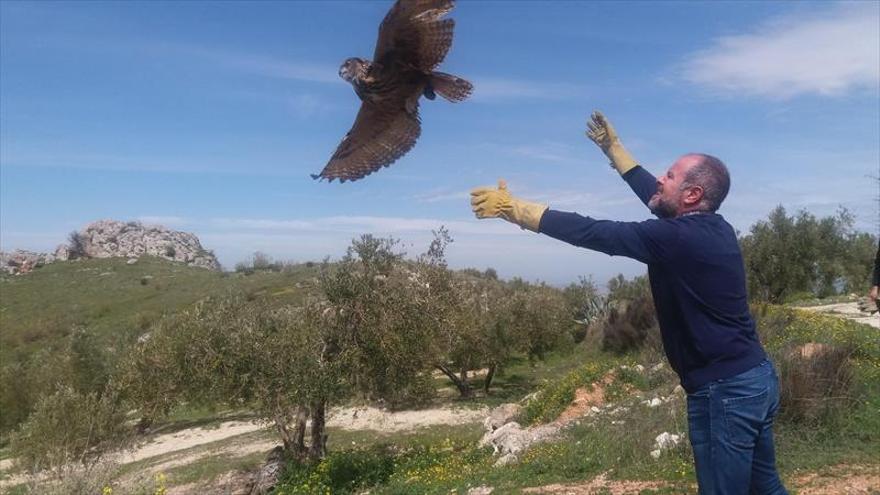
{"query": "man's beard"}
(660, 207)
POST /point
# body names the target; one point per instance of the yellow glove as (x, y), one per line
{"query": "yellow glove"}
(488, 202)
(602, 133)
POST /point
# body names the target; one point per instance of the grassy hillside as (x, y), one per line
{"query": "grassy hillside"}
(114, 299)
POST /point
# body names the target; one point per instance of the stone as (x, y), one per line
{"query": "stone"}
(267, 477)
(667, 440)
(111, 239)
(19, 262)
(62, 252)
(501, 415)
(481, 490)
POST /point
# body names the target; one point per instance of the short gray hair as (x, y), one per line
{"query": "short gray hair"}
(711, 175)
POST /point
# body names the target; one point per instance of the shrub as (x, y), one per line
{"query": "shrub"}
(628, 328)
(76, 245)
(815, 382)
(348, 471)
(69, 427)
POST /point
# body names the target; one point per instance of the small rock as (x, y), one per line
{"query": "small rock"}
(667, 440)
(657, 367)
(655, 453)
(131, 261)
(501, 415)
(594, 409)
(480, 490)
(639, 368)
(506, 460)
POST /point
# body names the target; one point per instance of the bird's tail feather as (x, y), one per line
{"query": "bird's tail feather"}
(453, 88)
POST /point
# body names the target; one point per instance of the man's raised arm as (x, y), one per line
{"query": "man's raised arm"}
(601, 132)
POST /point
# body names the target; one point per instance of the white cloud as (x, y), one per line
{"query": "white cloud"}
(827, 53)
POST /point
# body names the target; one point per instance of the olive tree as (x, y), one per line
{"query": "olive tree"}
(280, 361)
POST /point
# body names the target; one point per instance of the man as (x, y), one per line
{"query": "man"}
(875, 280)
(698, 283)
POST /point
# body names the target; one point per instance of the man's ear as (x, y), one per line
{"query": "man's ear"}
(693, 195)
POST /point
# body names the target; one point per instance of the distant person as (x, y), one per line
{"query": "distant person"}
(875, 279)
(699, 287)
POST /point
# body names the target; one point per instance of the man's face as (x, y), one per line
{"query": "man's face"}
(667, 202)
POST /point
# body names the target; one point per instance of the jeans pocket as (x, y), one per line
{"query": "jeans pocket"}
(744, 417)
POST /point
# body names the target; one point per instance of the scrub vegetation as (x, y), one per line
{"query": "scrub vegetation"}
(98, 354)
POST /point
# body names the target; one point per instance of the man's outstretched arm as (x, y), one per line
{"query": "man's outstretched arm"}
(601, 132)
(642, 182)
(646, 241)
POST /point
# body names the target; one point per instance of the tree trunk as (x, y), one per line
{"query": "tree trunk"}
(318, 448)
(293, 439)
(489, 376)
(464, 388)
(299, 438)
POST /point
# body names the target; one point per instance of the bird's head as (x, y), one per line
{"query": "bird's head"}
(353, 68)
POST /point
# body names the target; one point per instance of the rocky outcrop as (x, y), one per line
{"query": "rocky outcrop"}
(21, 261)
(114, 239)
(111, 239)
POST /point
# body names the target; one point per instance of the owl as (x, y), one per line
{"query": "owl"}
(413, 40)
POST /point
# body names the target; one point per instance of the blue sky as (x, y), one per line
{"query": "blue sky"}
(209, 117)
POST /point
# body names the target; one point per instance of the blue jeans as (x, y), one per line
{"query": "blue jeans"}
(731, 432)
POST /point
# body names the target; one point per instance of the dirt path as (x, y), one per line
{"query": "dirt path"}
(349, 418)
(848, 310)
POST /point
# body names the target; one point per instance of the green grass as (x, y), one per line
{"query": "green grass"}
(208, 469)
(522, 377)
(591, 447)
(114, 299)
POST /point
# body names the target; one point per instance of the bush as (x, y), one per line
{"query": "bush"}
(76, 245)
(69, 427)
(815, 382)
(348, 471)
(630, 327)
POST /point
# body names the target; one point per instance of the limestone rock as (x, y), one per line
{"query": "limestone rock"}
(19, 262)
(502, 415)
(62, 252)
(111, 238)
(267, 477)
(481, 490)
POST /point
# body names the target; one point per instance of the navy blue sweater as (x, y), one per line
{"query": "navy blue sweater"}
(697, 280)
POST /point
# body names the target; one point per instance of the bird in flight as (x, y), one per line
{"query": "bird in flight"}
(414, 38)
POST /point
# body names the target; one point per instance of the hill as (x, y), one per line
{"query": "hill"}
(115, 299)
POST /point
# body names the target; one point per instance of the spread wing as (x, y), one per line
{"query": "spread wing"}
(414, 32)
(378, 137)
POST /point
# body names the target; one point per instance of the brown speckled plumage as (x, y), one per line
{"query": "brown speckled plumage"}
(414, 38)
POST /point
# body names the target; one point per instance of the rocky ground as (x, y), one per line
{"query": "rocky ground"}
(848, 310)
